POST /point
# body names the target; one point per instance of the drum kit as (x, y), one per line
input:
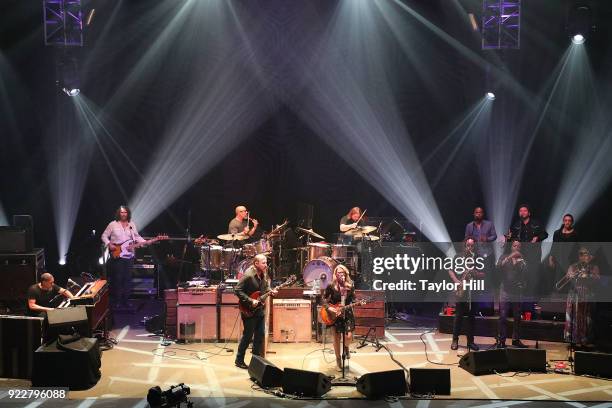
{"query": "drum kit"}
(316, 260)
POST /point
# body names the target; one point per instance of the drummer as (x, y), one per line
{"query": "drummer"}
(240, 223)
(349, 221)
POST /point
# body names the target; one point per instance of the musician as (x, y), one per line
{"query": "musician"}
(583, 276)
(463, 304)
(118, 231)
(42, 295)
(564, 251)
(480, 229)
(527, 229)
(513, 271)
(254, 279)
(239, 224)
(341, 291)
(349, 221)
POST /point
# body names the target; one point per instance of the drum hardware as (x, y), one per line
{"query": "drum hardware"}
(361, 231)
(310, 232)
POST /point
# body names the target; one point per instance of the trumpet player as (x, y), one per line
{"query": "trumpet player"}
(513, 272)
(582, 276)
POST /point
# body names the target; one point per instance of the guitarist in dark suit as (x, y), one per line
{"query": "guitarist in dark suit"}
(463, 304)
(254, 279)
(341, 291)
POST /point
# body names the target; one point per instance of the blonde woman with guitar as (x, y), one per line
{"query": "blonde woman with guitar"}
(340, 293)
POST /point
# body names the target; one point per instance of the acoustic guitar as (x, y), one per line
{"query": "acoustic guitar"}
(126, 248)
(248, 310)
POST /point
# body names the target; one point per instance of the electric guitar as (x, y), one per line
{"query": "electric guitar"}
(330, 313)
(126, 248)
(248, 310)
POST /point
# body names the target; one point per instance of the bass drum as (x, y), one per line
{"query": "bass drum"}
(319, 271)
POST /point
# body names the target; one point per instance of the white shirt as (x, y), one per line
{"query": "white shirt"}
(117, 235)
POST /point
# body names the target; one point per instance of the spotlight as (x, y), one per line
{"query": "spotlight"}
(578, 39)
(72, 91)
(62, 261)
(490, 96)
(174, 397)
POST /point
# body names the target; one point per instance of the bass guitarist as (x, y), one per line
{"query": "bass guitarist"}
(341, 292)
(119, 231)
(255, 279)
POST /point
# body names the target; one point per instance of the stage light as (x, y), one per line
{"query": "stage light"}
(578, 39)
(490, 96)
(71, 92)
(62, 261)
(101, 260)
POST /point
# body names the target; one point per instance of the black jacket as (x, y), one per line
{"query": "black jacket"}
(526, 232)
(250, 283)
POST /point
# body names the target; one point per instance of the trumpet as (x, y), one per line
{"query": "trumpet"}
(563, 281)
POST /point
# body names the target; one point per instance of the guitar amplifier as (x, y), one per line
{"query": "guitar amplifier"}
(144, 277)
(196, 322)
(291, 321)
(230, 323)
(227, 297)
(16, 239)
(197, 296)
(18, 272)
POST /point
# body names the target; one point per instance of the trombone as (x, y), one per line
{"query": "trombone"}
(580, 271)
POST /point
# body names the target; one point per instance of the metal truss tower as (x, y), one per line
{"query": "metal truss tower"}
(63, 21)
(501, 24)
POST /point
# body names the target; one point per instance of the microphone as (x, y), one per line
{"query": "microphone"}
(73, 283)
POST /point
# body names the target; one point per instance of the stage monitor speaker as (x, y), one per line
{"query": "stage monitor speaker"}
(264, 373)
(484, 362)
(434, 381)
(305, 383)
(19, 338)
(526, 360)
(15, 239)
(67, 321)
(382, 384)
(595, 364)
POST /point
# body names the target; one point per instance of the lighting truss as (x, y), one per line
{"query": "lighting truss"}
(501, 24)
(63, 23)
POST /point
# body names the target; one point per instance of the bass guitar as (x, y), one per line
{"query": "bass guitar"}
(126, 248)
(330, 313)
(248, 310)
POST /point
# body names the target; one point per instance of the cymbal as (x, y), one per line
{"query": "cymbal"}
(367, 237)
(361, 230)
(279, 228)
(232, 237)
(310, 232)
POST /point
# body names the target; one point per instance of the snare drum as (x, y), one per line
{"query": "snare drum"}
(320, 270)
(211, 256)
(317, 250)
(230, 256)
(263, 246)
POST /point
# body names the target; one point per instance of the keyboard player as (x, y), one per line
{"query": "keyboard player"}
(43, 295)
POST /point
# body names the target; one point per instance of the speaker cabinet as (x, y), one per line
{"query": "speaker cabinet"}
(264, 373)
(230, 323)
(305, 383)
(19, 272)
(382, 384)
(595, 364)
(435, 381)
(15, 239)
(484, 362)
(196, 322)
(20, 336)
(288, 321)
(526, 360)
(67, 321)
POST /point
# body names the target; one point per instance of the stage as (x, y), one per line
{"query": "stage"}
(139, 361)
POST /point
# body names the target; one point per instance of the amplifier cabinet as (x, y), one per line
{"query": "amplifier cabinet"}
(197, 296)
(144, 279)
(228, 297)
(196, 322)
(230, 323)
(291, 321)
(16, 239)
(20, 336)
(18, 272)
